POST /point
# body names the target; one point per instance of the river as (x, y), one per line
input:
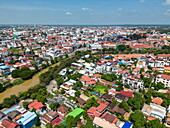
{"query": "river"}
(24, 86)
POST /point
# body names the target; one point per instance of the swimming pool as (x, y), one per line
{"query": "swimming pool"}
(10, 110)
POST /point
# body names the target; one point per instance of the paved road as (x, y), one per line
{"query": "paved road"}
(51, 86)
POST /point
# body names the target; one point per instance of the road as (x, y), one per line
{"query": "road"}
(24, 86)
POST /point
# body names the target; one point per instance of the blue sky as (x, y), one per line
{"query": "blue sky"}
(65, 12)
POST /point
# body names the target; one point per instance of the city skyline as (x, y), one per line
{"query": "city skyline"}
(76, 12)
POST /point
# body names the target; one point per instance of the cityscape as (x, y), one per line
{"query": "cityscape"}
(85, 68)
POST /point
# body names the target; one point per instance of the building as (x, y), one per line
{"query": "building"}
(165, 79)
(27, 120)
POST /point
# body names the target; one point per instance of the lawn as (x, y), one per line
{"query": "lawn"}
(94, 97)
(101, 88)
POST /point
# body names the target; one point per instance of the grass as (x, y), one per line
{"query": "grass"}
(101, 88)
(94, 97)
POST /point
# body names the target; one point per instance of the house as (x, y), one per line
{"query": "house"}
(154, 110)
(109, 117)
(119, 97)
(38, 106)
(62, 111)
(13, 115)
(27, 119)
(165, 79)
(157, 100)
(118, 110)
(107, 97)
(2, 116)
(127, 93)
(97, 111)
(6, 123)
(103, 123)
(81, 101)
(51, 117)
(87, 81)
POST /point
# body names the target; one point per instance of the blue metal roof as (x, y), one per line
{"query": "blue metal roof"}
(26, 118)
(1, 64)
(127, 125)
(7, 73)
(4, 67)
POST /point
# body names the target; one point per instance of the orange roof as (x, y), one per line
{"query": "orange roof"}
(91, 82)
(96, 75)
(157, 100)
(164, 76)
(37, 105)
(85, 78)
(101, 107)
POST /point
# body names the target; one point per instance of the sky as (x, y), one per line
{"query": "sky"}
(84, 12)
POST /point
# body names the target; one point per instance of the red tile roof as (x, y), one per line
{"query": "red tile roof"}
(37, 105)
(9, 124)
(85, 78)
(164, 76)
(101, 107)
(96, 75)
(125, 93)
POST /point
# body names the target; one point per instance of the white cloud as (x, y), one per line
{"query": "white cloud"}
(86, 9)
(68, 13)
(167, 2)
(142, 1)
(167, 12)
(120, 9)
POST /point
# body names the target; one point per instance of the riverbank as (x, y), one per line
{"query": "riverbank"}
(24, 86)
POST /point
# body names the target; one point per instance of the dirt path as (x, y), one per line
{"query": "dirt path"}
(24, 86)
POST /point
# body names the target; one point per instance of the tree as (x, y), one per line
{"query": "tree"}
(137, 118)
(136, 102)
(54, 106)
(25, 75)
(25, 104)
(62, 91)
(77, 93)
(70, 122)
(48, 126)
(37, 122)
(1, 88)
(125, 106)
(154, 124)
(15, 73)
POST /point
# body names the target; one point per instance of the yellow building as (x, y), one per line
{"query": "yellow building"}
(167, 68)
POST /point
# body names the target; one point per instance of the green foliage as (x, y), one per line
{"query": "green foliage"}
(54, 106)
(154, 124)
(25, 73)
(136, 102)
(25, 104)
(114, 102)
(37, 122)
(137, 118)
(17, 82)
(109, 77)
(125, 106)
(77, 93)
(70, 122)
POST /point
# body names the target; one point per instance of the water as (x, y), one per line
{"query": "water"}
(24, 86)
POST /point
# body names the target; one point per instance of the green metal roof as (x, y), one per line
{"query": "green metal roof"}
(75, 112)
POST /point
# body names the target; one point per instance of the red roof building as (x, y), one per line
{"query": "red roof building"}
(9, 124)
(36, 105)
(127, 93)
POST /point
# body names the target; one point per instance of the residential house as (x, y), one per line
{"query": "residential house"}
(165, 79)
